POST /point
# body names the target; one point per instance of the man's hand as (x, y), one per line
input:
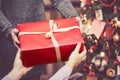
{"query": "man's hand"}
(14, 36)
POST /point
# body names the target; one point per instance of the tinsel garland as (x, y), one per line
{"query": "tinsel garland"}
(107, 4)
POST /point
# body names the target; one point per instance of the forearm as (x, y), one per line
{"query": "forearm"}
(5, 25)
(13, 75)
(65, 8)
(6, 78)
(63, 73)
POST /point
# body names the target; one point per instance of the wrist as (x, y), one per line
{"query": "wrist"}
(9, 30)
(71, 64)
(15, 74)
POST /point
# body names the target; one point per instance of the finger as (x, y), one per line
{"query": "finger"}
(16, 30)
(18, 53)
(17, 45)
(14, 34)
(84, 51)
(77, 47)
(29, 68)
(15, 37)
(84, 57)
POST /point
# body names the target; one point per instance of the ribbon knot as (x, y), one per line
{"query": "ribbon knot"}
(53, 28)
(48, 35)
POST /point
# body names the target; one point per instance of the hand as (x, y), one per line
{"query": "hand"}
(76, 57)
(14, 33)
(79, 23)
(18, 69)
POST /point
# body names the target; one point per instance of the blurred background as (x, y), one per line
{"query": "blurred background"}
(52, 13)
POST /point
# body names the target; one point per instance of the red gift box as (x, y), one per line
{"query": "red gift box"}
(48, 41)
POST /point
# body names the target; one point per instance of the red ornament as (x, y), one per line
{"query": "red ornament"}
(88, 2)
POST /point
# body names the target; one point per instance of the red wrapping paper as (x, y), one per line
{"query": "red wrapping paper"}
(39, 49)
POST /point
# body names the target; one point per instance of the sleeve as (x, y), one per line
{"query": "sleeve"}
(65, 7)
(5, 25)
(62, 74)
(6, 78)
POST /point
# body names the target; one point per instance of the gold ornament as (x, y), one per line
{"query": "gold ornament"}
(110, 72)
(116, 37)
(102, 54)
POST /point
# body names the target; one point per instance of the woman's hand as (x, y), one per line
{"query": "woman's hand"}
(18, 68)
(75, 58)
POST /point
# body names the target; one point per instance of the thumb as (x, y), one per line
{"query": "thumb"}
(77, 48)
(14, 35)
(83, 53)
(18, 53)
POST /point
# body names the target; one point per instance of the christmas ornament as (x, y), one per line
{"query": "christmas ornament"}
(110, 72)
(116, 37)
(102, 54)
